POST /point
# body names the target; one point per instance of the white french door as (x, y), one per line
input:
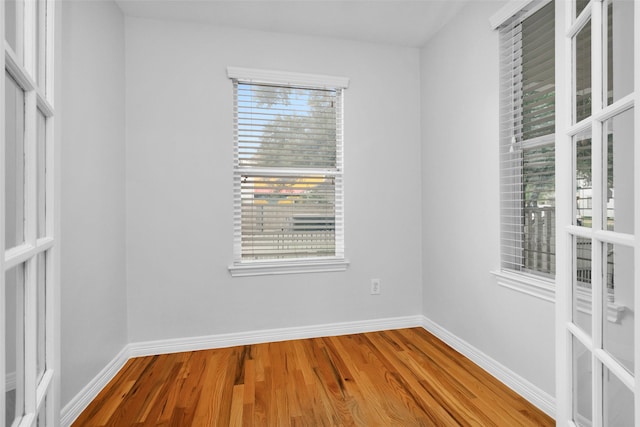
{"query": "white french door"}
(28, 239)
(598, 213)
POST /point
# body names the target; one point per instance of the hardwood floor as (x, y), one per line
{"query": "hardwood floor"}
(403, 377)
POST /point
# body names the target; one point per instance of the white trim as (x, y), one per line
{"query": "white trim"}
(538, 287)
(270, 335)
(507, 12)
(533, 394)
(541, 399)
(257, 268)
(74, 408)
(253, 75)
(16, 70)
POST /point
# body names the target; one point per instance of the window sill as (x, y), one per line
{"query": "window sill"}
(264, 268)
(614, 313)
(527, 284)
(545, 289)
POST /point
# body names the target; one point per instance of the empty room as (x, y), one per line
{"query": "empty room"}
(308, 213)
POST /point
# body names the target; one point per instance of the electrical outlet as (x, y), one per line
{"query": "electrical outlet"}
(375, 286)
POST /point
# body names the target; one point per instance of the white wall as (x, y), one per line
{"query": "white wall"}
(93, 191)
(179, 133)
(461, 203)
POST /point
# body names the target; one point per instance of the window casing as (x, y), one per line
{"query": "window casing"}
(288, 173)
(527, 142)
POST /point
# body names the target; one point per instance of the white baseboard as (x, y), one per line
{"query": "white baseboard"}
(74, 408)
(270, 335)
(541, 399)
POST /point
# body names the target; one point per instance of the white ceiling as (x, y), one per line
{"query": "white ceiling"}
(399, 22)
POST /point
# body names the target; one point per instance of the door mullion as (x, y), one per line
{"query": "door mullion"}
(597, 208)
(30, 191)
(3, 381)
(636, 261)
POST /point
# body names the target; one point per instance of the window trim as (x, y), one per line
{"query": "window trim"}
(537, 286)
(305, 265)
(534, 285)
(244, 268)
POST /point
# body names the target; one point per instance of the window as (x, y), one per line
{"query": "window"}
(527, 142)
(288, 173)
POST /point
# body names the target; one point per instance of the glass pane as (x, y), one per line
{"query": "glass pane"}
(619, 23)
(288, 127)
(10, 22)
(580, 5)
(14, 163)
(41, 314)
(539, 220)
(38, 30)
(41, 181)
(288, 217)
(617, 334)
(619, 134)
(14, 343)
(582, 156)
(42, 414)
(538, 74)
(41, 31)
(617, 401)
(582, 294)
(582, 64)
(581, 384)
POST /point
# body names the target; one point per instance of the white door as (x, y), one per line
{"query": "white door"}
(598, 199)
(28, 241)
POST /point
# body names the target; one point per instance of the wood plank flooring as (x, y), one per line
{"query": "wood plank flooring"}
(403, 377)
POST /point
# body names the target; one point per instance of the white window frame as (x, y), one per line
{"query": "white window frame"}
(530, 284)
(241, 267)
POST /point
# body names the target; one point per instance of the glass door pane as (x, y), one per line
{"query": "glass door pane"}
(41, 54)
(617, 402)
(619, 198)
(10, 23)
(14, 343)
(620, 47)
(583, 182)
(581, 384)
(618, 335)
(14, 163)
(41, 324)
(42, 415)
(41, 182)
(582, 293)
(582, 70)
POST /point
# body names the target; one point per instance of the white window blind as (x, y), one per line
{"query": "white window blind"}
(527, 152)
(288, 172)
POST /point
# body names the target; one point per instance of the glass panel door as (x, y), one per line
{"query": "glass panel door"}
(598, 165)
(27, 226)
